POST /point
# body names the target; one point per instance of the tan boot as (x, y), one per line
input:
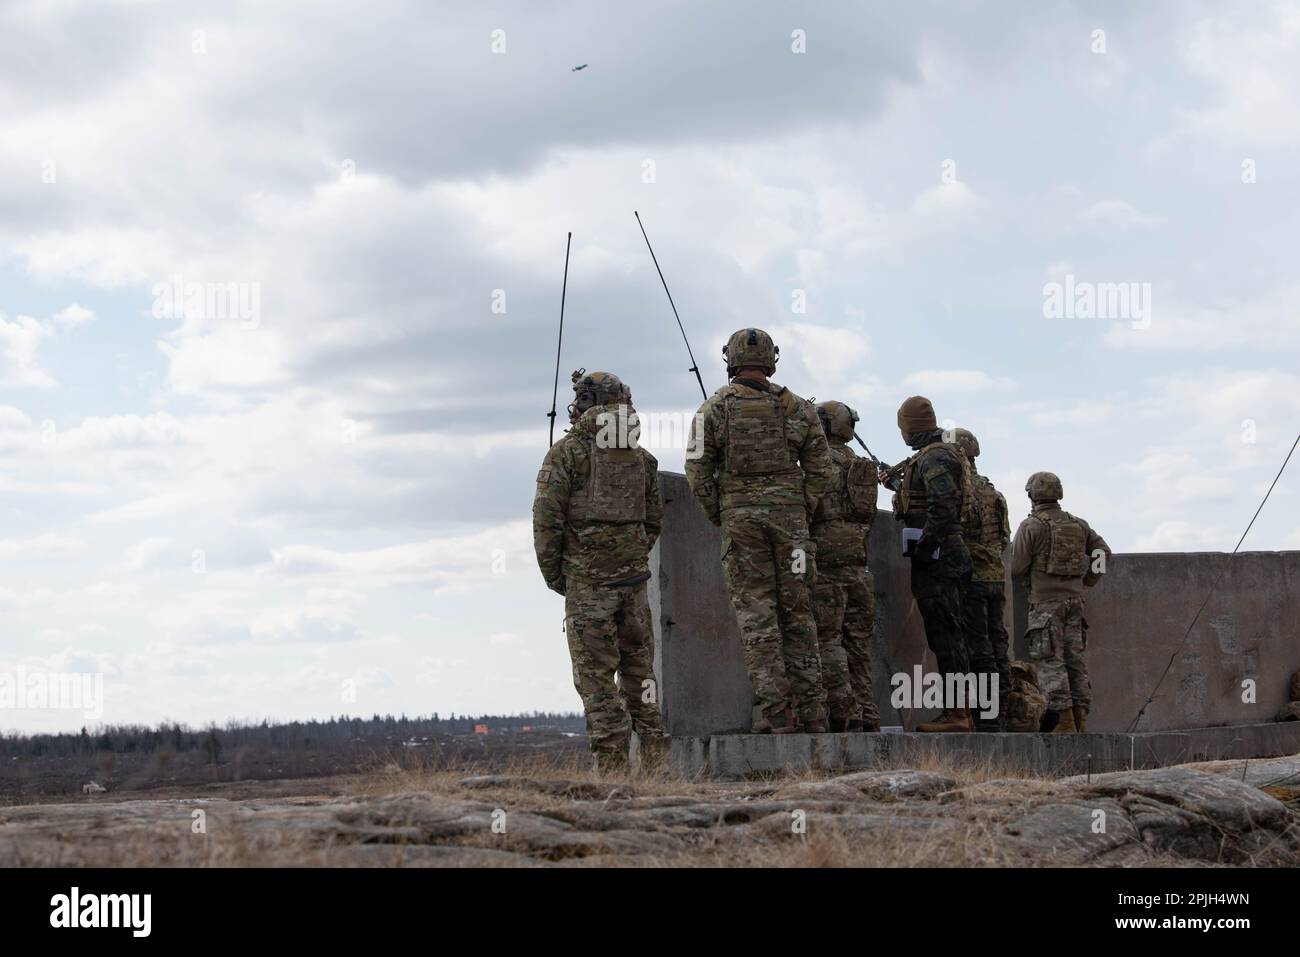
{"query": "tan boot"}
(952, 720)
(1080, 719)
(1065, 723)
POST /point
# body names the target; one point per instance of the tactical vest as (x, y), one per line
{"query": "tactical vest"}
(755, 429)
(854, 496)
(984, 524)
(913, 484)
(614, 490)
(1064, 551)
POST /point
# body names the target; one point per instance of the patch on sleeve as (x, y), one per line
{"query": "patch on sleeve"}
(939, 481)
(543, 476)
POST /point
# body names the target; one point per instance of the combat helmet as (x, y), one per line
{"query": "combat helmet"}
(751, 347)
(837, 419)
(595, 388)
(966, 441)
(1044, 487)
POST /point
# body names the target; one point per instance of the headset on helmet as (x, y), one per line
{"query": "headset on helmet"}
(595, 388)
(837, 419)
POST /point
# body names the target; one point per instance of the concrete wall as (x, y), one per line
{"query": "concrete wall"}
(1137, 618)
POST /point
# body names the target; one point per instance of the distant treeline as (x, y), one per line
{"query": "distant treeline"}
(332, 734)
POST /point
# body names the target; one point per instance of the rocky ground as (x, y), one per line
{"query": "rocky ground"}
(557, 814)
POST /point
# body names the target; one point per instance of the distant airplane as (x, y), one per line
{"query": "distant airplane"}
(577, 68)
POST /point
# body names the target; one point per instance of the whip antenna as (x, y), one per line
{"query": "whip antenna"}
(694, 365)
(555, 390)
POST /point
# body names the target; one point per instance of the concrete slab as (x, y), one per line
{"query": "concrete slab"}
(744, 755)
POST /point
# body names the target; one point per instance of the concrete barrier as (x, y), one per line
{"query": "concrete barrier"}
(1137, 617)
(1054, 755)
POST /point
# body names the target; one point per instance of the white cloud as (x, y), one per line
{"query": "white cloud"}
(955, 380)
(1117, 213)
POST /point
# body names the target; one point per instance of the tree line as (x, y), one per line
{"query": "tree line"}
(337, 733)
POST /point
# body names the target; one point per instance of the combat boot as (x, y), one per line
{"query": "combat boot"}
(840, 725)
(782, 722)
(952, 720)
(815, 726)
(1065, 723)
(1080, 719)
(653, 754)
(611, 762)
(853, 724)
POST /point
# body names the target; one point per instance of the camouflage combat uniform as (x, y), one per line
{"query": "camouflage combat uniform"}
(844, 597)
(1061, 554)
(596, 516)
(932, 496)
(758, 465)
(987, 532)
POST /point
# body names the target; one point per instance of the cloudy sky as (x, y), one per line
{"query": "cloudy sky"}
(302, 486)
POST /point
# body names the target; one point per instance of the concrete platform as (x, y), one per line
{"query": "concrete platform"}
(745, 755)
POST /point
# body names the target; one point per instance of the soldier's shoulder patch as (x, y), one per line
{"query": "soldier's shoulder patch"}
(939, 479)
(543, 476)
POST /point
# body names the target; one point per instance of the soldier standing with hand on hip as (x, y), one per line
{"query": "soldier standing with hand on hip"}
(1062, 556)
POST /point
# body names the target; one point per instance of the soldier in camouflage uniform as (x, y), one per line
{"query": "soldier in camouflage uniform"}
(596, 516)
(933, 493)
(844, 597)
(1062, 556)
(758, 463)
(987, 532)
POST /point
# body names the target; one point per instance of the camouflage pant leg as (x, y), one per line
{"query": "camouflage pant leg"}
(1076, 665)
(796, 572)
(939, 600)
(859, 636)
(751, 585)
(770, 585)
(636, 675)
(591, 626)
(1054, 638)
(830, 596)
(986, 633)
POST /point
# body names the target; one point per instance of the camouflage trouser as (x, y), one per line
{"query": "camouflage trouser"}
(609, 631)
(939, 599)
(830, 597)
(845, 601)
(986, 634)
(1057, 636)
(767, 557)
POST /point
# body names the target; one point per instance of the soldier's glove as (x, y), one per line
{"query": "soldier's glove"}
(556, 585)
(923, 551)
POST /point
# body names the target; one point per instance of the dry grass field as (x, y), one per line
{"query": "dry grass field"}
(554, 811)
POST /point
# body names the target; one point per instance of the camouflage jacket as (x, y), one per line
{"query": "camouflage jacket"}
(987, 530)
(840, 539)
(1033, 550)
(755, 443)
(596, 512)
(934, 479)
